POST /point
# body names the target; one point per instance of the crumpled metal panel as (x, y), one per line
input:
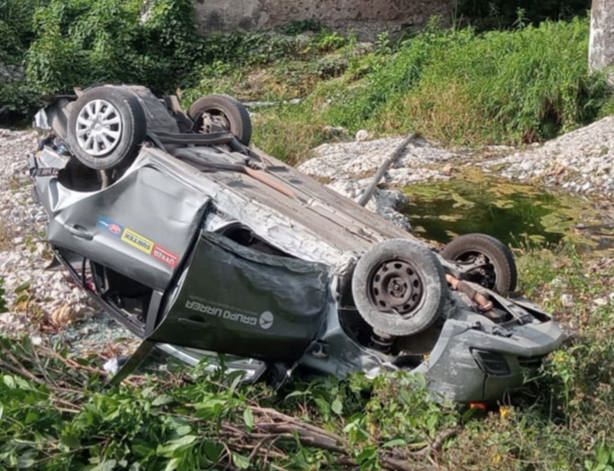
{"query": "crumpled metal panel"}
(238, 300)
(140, 226)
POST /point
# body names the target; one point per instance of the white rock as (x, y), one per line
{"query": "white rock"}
(600, 302)
(567, 300)
(362, 135)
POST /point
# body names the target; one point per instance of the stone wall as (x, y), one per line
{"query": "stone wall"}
(601, 55)
(366, 17)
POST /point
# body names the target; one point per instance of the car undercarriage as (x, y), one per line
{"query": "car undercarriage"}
(201, 244)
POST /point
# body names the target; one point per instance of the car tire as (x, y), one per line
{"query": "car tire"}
(399, 287)
(224, 111)
(500, 275)
(106, 126)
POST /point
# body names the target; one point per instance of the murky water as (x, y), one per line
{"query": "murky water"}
(519, 215)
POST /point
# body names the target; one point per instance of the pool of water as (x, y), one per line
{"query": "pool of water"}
(519, 215)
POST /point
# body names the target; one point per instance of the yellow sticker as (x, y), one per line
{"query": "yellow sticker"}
(137, 241)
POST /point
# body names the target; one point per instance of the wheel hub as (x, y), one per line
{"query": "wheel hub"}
(214, 121)
(478, 268)
(98, 128)
(395, 286)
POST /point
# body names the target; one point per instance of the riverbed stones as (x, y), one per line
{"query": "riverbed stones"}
(581, 161)
(36, 296)
(348, 168)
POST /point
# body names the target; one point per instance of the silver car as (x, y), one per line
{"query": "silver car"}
(198, 242)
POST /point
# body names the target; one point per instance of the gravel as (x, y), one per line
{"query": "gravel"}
(348, 168)
(41, 299)
(43, 302)
(581, 161)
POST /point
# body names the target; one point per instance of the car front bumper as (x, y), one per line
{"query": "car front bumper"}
(469, 364)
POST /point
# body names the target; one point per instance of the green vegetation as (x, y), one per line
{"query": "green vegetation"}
(501, 86)
(489, 14)
(16, 29)
(56, 414)
(458, 86)
(81, 42)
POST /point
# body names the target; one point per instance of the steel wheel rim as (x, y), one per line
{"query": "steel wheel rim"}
(395, 286)
(98, 128)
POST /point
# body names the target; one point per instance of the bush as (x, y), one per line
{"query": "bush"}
(17, 99)
(16, 28)
(81, 42)
(464, 87)
(17, 96)
(506, 13)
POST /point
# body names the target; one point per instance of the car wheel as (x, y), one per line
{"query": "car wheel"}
(215, 112)
(398, 287)
(484, 260)
(105, 127)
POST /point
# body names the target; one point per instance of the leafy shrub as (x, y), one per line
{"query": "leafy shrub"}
(17, 99)
(464, 87)
(17, 96)
(506, 13)
(16, 28)
(81, 42)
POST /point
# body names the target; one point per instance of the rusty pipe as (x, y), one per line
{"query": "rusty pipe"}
(484, 304)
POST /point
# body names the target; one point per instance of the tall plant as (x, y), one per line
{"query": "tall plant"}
(81, 42)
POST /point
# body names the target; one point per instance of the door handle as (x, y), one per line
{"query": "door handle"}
(80, 232)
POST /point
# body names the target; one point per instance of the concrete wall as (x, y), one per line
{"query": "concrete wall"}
(366, 17)
(601, 51)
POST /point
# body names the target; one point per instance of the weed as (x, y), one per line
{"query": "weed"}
(288, 138)
(5, 237)
(202, 419)
(454, 86)
(457, 86)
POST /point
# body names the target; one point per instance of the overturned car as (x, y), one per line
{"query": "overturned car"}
(198, 242)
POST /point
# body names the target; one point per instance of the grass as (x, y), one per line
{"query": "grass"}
(57, 414)
(455, 86)
(6, 237)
